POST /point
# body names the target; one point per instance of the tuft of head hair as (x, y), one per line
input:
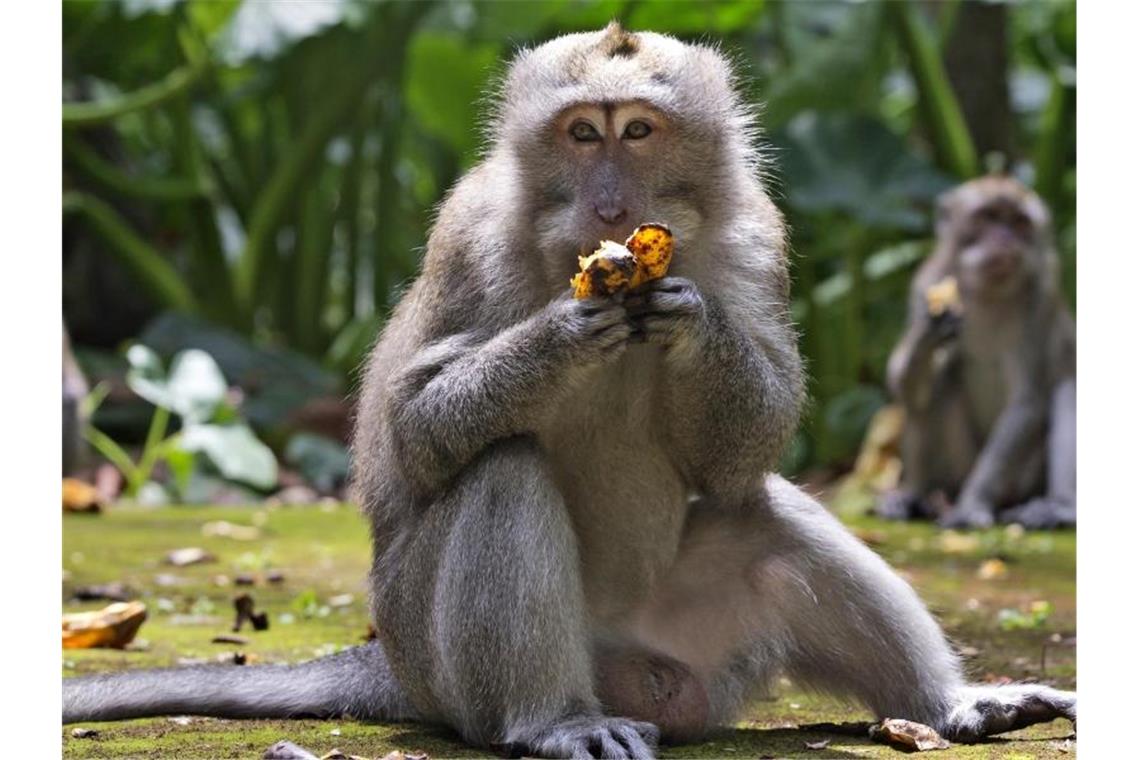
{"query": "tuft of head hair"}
(695, 85)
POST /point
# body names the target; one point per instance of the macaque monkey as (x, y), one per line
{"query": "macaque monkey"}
(578, 548)
(989, 383)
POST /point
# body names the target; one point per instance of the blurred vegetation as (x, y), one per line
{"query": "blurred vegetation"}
(257, 178)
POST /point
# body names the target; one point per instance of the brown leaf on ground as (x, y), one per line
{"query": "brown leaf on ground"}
(112, 627)
(993, 570)
(190, 555)
(243, 606)
(284, 750)
(229, 638)
(80, 497)
(109, 592)
(908, 735)
(230, 530)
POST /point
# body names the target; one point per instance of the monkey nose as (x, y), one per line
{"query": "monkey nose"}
(610, 213)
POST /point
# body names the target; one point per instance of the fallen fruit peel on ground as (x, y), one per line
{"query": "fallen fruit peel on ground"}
(112, 627)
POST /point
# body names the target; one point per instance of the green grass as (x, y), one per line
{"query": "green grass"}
(325, 551)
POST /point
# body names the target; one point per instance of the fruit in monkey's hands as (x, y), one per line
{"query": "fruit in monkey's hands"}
(609, 269)
(942, 298)
(616, 268)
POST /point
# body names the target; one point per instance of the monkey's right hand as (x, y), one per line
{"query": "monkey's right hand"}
(592, 330)
(944, 327)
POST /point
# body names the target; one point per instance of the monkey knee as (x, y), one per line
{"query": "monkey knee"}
(653, 687)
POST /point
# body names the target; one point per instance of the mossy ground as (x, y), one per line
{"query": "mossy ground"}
(323, 553)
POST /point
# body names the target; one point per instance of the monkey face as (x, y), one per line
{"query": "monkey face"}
(612, 129)
(998, 231)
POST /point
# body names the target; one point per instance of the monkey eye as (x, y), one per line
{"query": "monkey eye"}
(583, 131)
(636, 130)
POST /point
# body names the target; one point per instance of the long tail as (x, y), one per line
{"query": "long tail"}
(356, 683)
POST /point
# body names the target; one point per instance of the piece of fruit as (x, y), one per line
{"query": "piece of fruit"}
(80, 497)
(942, 297)
(615, 268)
(114, 626)
(652, 246)
(608, 270)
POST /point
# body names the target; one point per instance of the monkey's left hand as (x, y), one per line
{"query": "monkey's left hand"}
(668, 311)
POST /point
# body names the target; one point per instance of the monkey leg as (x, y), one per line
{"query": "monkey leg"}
(482, 608)
(782, 586)
(1058, 507)
(938, 450)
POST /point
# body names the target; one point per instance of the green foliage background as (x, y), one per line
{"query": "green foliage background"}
(271, 168)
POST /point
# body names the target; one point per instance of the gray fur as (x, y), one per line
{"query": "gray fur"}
(990, 399)
(554, 485)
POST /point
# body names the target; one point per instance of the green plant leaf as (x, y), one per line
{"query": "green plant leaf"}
(235, 451)
(146, 377)
(196, 386)
(446, 78)
(856, 166)
(322, 461)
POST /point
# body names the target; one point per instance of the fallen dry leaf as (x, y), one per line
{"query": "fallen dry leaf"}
(112, 627)
(109, 592)
(993, 570)
(243, 606)
(229, 638)
(821, 744)
(284, 750)
(953, 542)
(190, 555)
(908, 735)
(230, 530)
(80, 497)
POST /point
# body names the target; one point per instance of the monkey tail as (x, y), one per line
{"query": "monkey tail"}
(356, 683)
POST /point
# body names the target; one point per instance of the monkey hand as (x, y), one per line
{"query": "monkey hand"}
(944, 327)
(591, 330)
(668, 312)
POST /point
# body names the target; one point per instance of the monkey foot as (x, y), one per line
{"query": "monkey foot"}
(594, 736)
(1040, 514)
(967, 518)
(903, 504)
(986, 710)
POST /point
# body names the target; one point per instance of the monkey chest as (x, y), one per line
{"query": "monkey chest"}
(986, 381)
(625, 497)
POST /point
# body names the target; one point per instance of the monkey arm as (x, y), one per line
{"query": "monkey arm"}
(461, 393)
(735, 383)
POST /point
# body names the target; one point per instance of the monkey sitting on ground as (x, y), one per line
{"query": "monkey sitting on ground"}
(989, 388)
(577, 550)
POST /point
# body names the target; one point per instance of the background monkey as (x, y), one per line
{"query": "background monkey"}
(990, 396)
(576, 548)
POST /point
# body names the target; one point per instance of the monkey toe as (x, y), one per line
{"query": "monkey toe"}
(900, 504)
(597, 738)
(1041, 514)
(967, 518)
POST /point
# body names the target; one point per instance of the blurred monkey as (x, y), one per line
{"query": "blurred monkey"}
(989, 388)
